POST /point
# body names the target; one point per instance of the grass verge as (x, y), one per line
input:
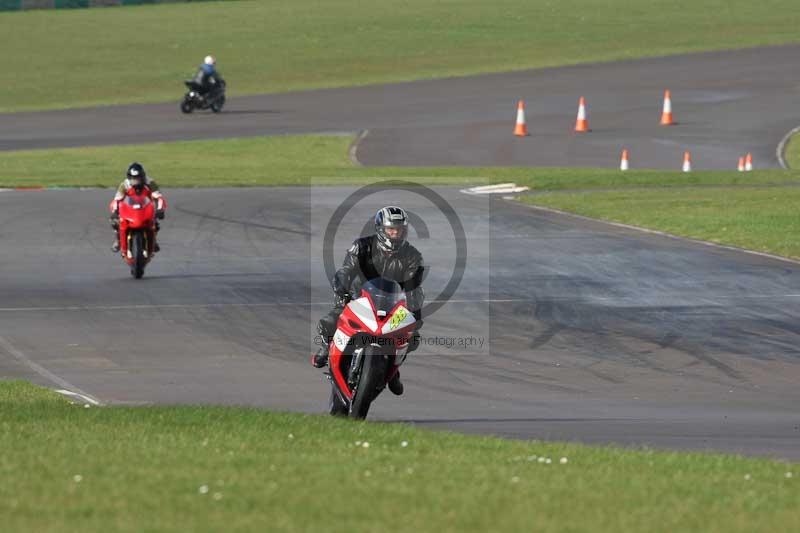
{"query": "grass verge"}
(318, 160)
(754, 210)
(757, 218)
(68, 468)
(141, 54)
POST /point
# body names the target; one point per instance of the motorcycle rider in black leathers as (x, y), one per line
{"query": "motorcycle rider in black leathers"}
(387, 255)
(208, 78)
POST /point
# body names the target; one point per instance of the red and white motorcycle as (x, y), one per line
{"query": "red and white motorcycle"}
(370, 344)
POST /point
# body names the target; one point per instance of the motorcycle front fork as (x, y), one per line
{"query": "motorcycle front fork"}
(355, 367)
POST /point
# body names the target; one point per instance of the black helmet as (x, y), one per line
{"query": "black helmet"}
(391, 217)
(136, 175)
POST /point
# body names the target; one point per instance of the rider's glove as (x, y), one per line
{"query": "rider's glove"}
(160, 214)
(340, 300)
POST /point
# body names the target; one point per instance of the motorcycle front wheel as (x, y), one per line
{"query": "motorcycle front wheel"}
(137, 252)
(371, 382)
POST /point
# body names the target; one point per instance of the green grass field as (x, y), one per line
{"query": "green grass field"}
(280, 160)
(68, 468)
(764, 219)
(142, 54)
(314, 159)
(753, 210)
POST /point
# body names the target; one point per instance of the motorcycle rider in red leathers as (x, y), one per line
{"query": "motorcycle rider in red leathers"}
(136, 180)
(387, 255)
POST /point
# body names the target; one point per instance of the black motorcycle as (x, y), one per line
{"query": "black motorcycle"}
(194, 99)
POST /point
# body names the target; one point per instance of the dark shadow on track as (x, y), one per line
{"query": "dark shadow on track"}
(204, 276)
(243, 223)
(251, 112)
(505, 420)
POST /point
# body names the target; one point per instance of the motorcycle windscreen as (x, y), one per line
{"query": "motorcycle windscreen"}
(137, 202)
(384, 293)
(137, 211)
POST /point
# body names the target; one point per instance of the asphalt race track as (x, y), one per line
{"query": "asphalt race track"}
(561, 328)
(593, 332)
(726, 104)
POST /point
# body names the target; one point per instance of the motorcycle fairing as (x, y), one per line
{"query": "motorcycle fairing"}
(363, 309)
(361, 317)
(136, 213)
(400, 318)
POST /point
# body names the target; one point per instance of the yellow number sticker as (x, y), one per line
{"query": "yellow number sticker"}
(398, 317)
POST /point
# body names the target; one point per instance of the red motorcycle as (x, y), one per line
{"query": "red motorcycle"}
(137, 229)
(370, 344)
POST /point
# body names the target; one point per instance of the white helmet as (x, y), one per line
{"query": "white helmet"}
(209, 60)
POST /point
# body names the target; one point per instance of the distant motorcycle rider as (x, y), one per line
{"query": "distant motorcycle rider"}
(208, 78)
(136, 180)
(386, 254)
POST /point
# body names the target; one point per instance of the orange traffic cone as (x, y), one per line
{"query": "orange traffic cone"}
(687, 161)
(521, 129)
(740, 166)
(748, 162)
(666, 114)
(582, 124)
(623, 162)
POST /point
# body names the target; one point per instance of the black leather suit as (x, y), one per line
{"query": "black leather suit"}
(365, 261)
(209, 80)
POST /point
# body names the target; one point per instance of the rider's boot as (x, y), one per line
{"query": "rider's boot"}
(115, 246)
(114, 220)
(395, 385)
(320, 359)
(156, 247)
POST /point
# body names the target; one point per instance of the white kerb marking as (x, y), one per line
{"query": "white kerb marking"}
(42, 371)
(78, 395)
(500, 188)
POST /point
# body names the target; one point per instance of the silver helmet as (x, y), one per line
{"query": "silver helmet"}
(391, 227)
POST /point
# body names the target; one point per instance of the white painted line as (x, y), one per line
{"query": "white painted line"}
(671, 236)
(500, 188)
(232, 304)
(42, 371)
(55, 188)
(506, 190)
(781, 150)
(491, 187)
(82, 397)
(736, 296)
